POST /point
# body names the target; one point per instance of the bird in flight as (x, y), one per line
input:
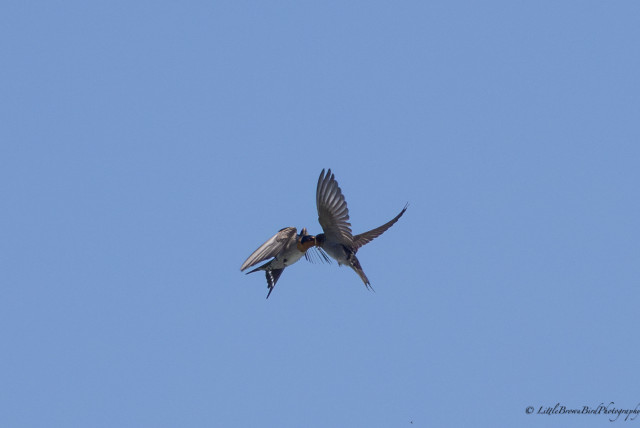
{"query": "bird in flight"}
(286, 247)
(333, 215)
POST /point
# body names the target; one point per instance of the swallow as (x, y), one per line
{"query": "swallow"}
(337, 239)
(286, 247)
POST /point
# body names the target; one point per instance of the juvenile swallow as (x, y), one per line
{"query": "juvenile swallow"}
(337, 239)
(286, 248)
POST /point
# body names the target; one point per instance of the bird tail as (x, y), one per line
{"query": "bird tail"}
(355, 265)
(272, 277)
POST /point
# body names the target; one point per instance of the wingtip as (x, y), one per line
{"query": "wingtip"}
(326, 174)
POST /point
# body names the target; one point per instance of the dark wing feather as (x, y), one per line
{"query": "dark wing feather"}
(271, 248)
(366, 237)
(333, 214)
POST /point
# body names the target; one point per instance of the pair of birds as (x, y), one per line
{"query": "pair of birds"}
(287, 247)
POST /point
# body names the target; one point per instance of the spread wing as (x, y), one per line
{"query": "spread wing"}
(366, 237)
(333, 213)
(271, 248)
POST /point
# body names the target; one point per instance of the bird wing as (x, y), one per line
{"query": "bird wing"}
(366, 237)
(333, 214)
(271, 248)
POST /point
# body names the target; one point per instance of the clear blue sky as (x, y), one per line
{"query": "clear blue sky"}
(147, 148)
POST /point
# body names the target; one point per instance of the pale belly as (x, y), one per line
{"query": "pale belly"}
(287, 258)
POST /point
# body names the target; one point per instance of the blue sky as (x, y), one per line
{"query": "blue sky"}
(147, 148)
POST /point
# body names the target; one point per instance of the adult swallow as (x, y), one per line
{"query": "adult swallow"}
(337, 239)
(286, 247)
